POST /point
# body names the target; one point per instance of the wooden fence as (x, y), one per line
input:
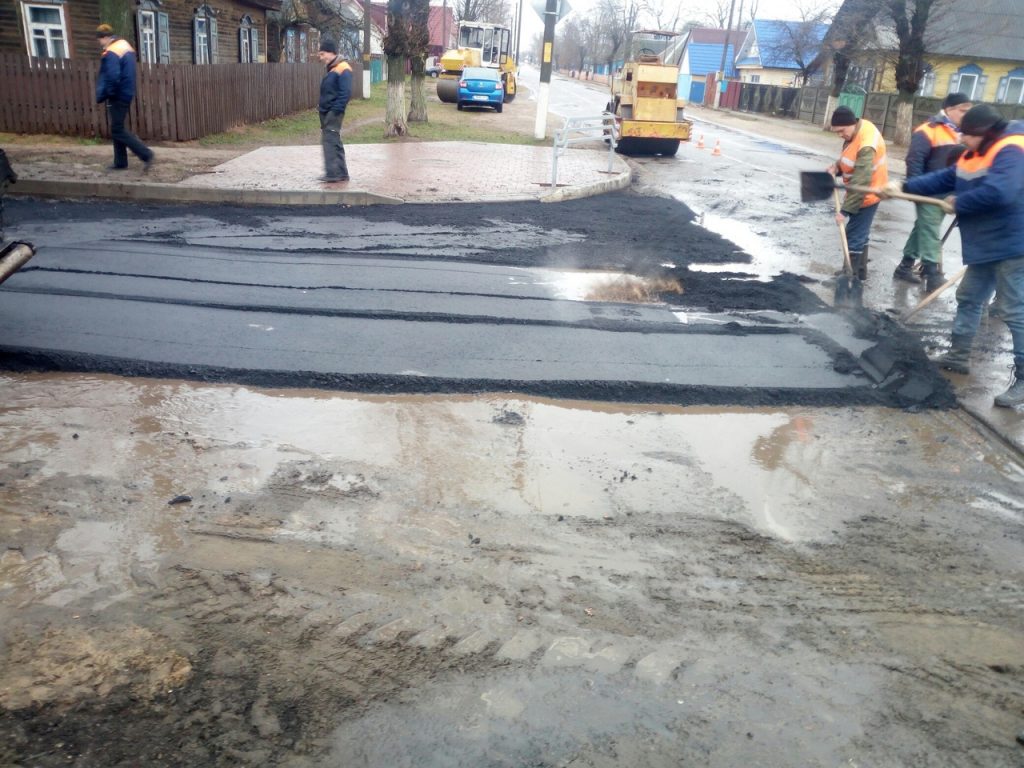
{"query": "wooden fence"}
(810, 104)
(173, 102)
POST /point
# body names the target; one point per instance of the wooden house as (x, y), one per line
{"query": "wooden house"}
(162, 31)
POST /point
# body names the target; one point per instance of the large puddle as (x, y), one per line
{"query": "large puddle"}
(517, 457)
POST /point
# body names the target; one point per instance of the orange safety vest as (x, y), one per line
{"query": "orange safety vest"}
(940, 135)
(119, 48)
(867, 135)
(340, 67)
(972, 166)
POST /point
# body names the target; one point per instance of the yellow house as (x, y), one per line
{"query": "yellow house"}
(976, 48)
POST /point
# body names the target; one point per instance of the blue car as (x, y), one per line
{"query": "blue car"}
(480, 87)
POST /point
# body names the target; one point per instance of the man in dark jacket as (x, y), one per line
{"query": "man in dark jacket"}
(335, 90)
(988, 182)
(115, 85)
(933, 146)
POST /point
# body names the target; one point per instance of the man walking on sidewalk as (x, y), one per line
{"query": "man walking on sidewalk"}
(335, 90)
(862, 163)
(988, 184)
(116, 86)
(933, 147)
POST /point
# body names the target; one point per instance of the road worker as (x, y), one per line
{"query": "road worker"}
(335, 91)
(987, 184)
(933, 146)
(115, 86)
(862, 163)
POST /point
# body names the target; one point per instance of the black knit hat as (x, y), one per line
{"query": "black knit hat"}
(982, 120)
(953, 99)
(328, 46)
(842, 117)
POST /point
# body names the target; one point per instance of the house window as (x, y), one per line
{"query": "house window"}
(303, 46)
(862, 76)
(248, 41)
(154, 34)
(45, 31)
(969, 81)
(1011, 88)
(927, 85)
(204, 35)
(755, 78)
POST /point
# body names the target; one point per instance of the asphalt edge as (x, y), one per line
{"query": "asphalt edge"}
(174, 193)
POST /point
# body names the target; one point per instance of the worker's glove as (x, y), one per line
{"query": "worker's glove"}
(949, 205)
(890, 190)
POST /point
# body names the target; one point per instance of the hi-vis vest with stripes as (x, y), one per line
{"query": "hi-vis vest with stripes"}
(939, 135)
(971, 166)
(867, 136)
(341, 67)
(119, 48)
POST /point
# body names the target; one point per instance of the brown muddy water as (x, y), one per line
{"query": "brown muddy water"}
(499, 580)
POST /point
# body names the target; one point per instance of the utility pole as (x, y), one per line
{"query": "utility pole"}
(366, 49)
(543, 93)
(725, 50)
(519, 31)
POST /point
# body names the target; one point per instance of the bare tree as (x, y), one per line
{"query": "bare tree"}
(493, 11)
(666, 15)
(718, 15)
(397, 49)
(419, 47)
(332, 18)
(616, 19)
(914, 21)
(798, 42)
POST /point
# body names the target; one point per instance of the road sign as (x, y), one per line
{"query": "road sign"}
(540, 6)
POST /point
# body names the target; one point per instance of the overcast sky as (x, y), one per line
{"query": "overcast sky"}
(695, 9)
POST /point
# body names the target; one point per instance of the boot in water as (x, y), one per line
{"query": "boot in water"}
(905, 272)
(958, 358)
(1014, 395)
(933, 277)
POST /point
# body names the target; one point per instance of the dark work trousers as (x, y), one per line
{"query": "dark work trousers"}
(858, 227)
(124, 139)
(334, 150)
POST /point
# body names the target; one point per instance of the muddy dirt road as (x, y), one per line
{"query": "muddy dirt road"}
(499, 581)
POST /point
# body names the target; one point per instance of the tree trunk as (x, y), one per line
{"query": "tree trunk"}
(418, 97)
(904, 122)
(395, 121)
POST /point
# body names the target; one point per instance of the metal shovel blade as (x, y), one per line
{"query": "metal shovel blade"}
(816, 185)
(849, 292)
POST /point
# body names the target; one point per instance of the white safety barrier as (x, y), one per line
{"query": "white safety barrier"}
(580, 129)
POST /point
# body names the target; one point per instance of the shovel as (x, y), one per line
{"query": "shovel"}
(818, 185)
(934, 294)
(849, 290)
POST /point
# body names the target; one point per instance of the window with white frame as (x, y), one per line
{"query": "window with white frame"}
(969, 80)
(204, 36)
(248, 41)
(45, 30)
(1011, 87)
(154, 32)
(927, 85)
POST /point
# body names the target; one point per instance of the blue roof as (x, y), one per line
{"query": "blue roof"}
(706, 58)
(771, 43)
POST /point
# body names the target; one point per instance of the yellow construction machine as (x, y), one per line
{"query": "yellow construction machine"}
(480, 45)
(644, 99)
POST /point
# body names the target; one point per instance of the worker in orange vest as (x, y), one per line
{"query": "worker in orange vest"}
(934, 145)
(115, 86)
(862, 163)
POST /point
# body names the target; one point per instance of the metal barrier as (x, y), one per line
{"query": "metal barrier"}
(580, 129)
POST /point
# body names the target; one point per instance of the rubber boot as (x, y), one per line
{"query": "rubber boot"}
(860, 264)
(958, 358)
(933, 277)
(1014, 395)
(905, 272)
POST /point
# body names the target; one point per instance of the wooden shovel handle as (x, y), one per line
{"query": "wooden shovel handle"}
(935, 294)
(907, 196)
(847, 264)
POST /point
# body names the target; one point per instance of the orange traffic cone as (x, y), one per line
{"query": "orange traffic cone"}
(717, 151)
(700, 143)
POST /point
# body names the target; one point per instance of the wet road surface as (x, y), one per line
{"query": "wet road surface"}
(405, 299)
